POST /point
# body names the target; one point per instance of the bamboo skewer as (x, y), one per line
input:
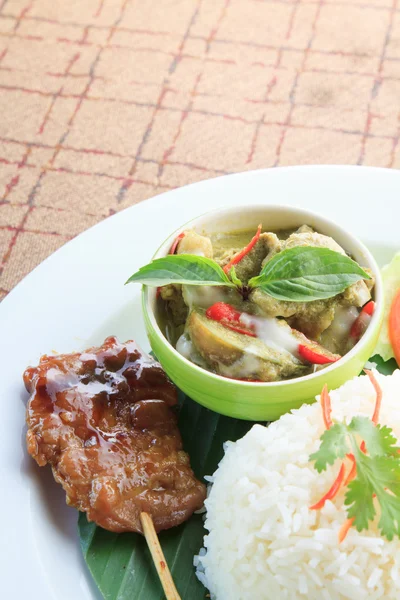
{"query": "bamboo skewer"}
(157, 554)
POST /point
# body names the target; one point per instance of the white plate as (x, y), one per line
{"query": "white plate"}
(77, 297)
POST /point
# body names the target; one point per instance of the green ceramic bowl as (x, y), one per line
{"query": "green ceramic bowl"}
(261, 401)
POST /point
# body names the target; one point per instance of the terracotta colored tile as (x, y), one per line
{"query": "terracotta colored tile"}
(333, 90)
(230, 107)
(329, 117)
(176, 99)
(216, 78)
(75, 11)
(195, 47)
(391, 68)
(50, 31)
(276, 113)
(185, 74)
(93, 162)
(330, 147)
(207, 18)
(118, 89)
(25, 186)
(38, 55)
(178, 175)
(265, 22)
(292, 59)
(164, 42)
(136, 193)
(393, 46)
(40, 156)
(147, 172)
(170, 15)
(347, 63)
(385, 105)
(265, 147)
(213, 142)
(11, 215)
(336, 29)
(29, 250)
(58, 222)
(11, 152)
(378, 153)
(6, 25)
(88, 193)
(30, 82)
(83, 60)
(242, 53)
(161, 134)
(5, 239)
(133, 65)
(300, 28)
(98, 127)
(395, 163)
(98, 36)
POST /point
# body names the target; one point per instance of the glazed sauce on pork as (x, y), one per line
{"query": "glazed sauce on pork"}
(102, 420)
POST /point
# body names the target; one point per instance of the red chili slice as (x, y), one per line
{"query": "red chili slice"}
(176, 242)
(316, 357)
(221, 311)
(229, 317)
(378, 390)
(361, 323)
(238, 329)
(331, 493)
(343, 531)
(239, 255)
(326, 407)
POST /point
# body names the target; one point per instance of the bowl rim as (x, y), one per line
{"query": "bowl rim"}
(307, 214)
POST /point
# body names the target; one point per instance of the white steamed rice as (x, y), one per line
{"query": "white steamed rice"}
(265, 543)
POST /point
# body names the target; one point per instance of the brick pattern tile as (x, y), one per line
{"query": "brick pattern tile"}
(105, 103)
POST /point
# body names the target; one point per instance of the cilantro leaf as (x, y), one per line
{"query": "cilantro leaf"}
(376, 486)
(334, 444)
(359, 498)
(378, 439)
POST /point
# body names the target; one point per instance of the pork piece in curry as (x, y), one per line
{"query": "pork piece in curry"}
(273, 339)
(103, 419)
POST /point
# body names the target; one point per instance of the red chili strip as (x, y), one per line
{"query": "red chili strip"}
(229, 317)
(326, 407)
(176, 242)
(315, 357)
(239, 255)
(378, 390)
(331, 493)
(221, 311)
(362, 321)
(344, 530)
(238, 329)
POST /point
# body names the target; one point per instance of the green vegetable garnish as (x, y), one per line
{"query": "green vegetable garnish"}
(306, 273)
(300, 274)
(181, 268)
(377, 476)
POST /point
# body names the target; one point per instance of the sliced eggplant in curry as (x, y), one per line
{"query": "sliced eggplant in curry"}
(237, 355)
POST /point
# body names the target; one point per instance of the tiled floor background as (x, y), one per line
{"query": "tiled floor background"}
(104, 103)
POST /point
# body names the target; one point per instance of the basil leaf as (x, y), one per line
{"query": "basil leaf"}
(304, 274)
(187, 269)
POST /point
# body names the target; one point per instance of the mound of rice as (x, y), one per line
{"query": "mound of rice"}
(265, 543)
